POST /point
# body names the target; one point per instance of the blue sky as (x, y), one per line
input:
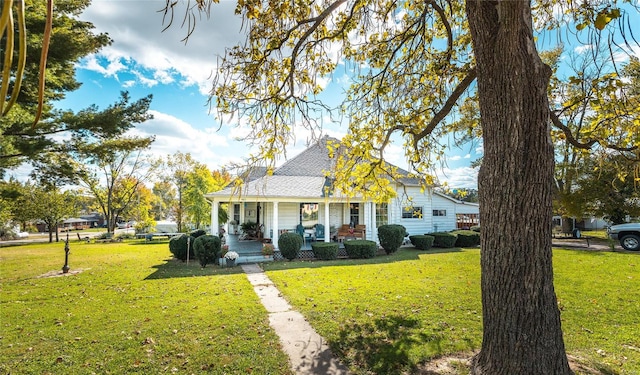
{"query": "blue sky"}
(144, 60)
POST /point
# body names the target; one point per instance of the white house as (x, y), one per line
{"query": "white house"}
(293, 195)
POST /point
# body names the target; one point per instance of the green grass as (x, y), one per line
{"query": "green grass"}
(132, 310)
(390, 314)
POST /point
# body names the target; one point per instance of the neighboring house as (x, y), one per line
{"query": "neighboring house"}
(74, 224)
(293, 195)
(95, 219)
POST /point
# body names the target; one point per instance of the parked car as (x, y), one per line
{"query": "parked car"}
(628, 235)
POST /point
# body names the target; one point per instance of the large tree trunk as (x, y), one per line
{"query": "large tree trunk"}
(522, 332)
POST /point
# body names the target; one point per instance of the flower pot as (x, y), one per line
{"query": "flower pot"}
(231, 262)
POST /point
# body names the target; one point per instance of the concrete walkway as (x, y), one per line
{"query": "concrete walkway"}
(308, 352)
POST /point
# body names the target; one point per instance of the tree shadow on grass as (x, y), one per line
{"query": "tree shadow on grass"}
(383, 346)
(173, 268)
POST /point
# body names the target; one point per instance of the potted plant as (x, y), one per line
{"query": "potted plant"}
(268, 249)
(231, 257)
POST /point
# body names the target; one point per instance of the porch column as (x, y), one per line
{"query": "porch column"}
(276, 231)
(327, 229)
(214, 217)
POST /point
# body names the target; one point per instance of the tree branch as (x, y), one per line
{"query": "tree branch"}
(448, 105)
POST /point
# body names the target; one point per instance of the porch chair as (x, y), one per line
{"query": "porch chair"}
(319, 232)
(300, 230)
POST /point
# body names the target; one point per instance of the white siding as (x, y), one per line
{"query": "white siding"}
(443, 223)
(418, 199)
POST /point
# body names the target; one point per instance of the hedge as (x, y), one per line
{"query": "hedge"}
(178, 246)
(422, 241)
(207, 249)
(444, 239)
(391, 237)
(360, 249)
(198, 232)
(467, 238)
(289, 245)
(325, 250)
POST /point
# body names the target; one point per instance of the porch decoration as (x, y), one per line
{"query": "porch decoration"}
(268, 249)
(231, 257)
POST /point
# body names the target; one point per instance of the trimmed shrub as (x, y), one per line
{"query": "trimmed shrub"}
(325, 250)
(290, 245)
(422, 241)
(391, 237)
(178, 246)
(361, 249)
(207, 249)
(126, 236)
(198, 232)
(475, 228)
(444, 239)
(467, 238)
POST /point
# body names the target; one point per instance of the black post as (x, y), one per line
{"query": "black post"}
(65, 268)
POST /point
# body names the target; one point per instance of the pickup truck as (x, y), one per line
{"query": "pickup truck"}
(628, 235)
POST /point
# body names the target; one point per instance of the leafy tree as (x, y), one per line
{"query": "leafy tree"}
(179, 166)
(53, 206)
(164, 196)
(71, 39)
(114, 178)
(414, 62)
(139, 209)
(16, 205)
(594, 100)
(199, 182)
(58, 132)
(608, 188)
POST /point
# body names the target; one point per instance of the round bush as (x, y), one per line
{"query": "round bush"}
(325, 250)
(422, 241)
(290, 245)
(361, 249)
(198, 232)
(391, 237)
(178, 246)
(467, 238)
(444, 239)
(475, 228)
(207, 249)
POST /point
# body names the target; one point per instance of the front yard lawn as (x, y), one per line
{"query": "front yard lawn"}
(392, 313)
(132, 310)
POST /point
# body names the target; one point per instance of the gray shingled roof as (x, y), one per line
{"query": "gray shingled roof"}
(301, 176)
(284, 186)
(314, 161)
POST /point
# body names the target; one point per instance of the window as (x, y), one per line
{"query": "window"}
(236, 213)
(354, 214)
(439, 212)
(308, 214)
(382, 214)
(411, 212)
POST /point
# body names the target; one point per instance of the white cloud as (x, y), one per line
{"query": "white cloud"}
(583, 48)
(136, 29)
(173, 134)
(464, 177)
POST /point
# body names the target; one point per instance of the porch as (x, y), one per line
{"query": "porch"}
(250, 251)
